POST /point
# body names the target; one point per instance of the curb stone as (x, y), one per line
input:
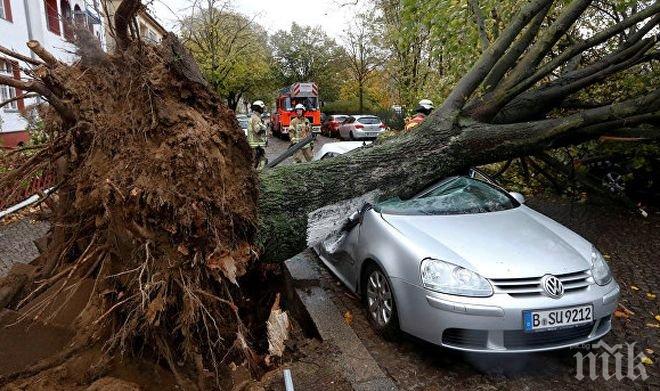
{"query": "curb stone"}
(314, 306)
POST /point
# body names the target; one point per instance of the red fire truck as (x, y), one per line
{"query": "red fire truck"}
(304, 93)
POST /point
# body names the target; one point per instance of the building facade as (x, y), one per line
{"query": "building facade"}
(51, 23)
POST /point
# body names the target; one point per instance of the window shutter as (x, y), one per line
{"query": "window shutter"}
(52, 16)
(17, 75)
(7, 4)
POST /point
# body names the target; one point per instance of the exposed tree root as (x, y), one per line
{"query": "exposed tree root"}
(156, 204)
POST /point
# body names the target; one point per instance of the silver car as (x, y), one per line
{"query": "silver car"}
(243, 122)
(359, 127)
(468, 266)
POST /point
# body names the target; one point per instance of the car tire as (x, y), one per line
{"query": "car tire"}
(351, 136)
(376, 294)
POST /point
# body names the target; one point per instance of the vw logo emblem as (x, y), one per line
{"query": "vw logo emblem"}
(552, 286)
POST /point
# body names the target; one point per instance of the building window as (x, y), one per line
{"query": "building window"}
(67, 19)
(52, 16)
(7, 92)
(5, 10)
(79, 16)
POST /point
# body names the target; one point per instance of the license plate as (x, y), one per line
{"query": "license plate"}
(542, 320)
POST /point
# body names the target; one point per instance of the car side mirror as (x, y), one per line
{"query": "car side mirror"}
(518, 197)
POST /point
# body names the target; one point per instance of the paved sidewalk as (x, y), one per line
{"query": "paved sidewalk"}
(16, 242)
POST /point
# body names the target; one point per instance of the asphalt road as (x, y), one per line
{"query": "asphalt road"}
(277, 146)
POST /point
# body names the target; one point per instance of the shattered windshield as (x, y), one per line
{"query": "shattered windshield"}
(458, 195)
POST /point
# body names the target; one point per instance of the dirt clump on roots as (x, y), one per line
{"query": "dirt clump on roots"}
(155, 202)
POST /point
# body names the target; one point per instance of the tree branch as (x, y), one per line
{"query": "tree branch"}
(44, 54)
(125, 13)
(62, 108)
(544, 43)
(469, 83)
(533, 104)
(481, 25)
(511, 56)
(490, 104)
(639, 34)
(19, 56)
(17, 98)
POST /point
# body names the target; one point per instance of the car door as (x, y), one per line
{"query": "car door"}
(345, 129)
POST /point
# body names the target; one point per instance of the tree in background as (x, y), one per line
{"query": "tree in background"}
(363, 53)
(308, 54)
(231, 49)
(431, 45)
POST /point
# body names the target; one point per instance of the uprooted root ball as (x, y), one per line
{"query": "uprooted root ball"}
(156, 202)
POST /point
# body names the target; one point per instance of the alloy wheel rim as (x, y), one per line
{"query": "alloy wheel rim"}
(379, 298)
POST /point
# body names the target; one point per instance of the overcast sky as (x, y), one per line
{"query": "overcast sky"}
(273, 15)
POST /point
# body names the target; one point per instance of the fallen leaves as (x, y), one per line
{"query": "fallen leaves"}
(620, 314)
(348, 317)
(633, 287)
(647, 361)
(650, 296)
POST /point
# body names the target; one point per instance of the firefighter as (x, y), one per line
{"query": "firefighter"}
(257, 135)
(299, 129)
(422, 111)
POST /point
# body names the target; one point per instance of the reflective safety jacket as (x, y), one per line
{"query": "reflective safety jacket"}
(257, 135)
(299, 129)
(415, 120)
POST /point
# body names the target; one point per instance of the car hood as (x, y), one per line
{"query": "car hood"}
(344, 146)
(516, 243)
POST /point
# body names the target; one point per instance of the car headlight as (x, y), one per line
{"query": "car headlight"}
(448, 278)
(599, 268)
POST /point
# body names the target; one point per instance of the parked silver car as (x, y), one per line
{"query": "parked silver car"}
(361, 127)
(468, 266)
(243, 122)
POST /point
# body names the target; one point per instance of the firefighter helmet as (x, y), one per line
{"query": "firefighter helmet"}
(259, 105)
(300, 106)
(427, 104)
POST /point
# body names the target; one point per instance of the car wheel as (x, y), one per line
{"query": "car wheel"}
(351, 135)
(379, 302)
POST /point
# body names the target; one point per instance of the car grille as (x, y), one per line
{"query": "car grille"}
(465, 338)
(521, 287)
(517, 339)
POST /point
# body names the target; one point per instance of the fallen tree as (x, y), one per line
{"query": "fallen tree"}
(158, 203)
